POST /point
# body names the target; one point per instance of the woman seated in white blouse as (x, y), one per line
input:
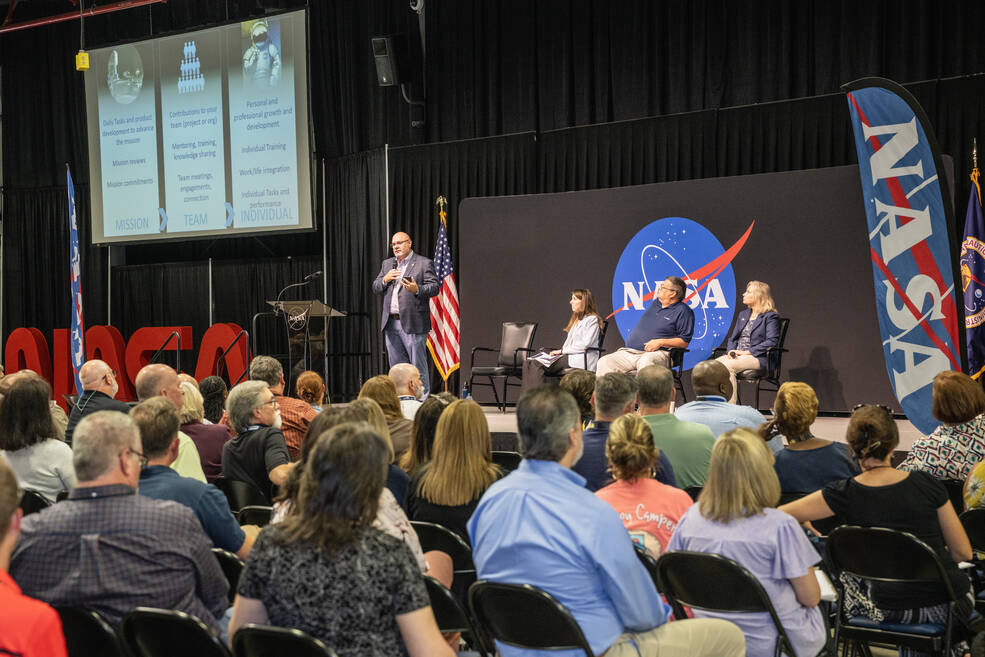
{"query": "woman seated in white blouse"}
(583, 332)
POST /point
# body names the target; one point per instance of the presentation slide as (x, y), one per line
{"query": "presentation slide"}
(201, 134)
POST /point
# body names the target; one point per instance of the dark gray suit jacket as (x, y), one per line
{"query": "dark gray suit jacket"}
(415, 314)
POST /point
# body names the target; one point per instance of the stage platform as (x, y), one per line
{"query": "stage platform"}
(830, 428)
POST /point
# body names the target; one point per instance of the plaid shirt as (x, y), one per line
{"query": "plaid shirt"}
(112, 550)
(295, 416)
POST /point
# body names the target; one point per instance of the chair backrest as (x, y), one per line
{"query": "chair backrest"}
(268, 641)
(240, 493)
(515, 335)
(32, 502)
(525, 616)
(87, 634)
(450, 615)
(973, 521)
(436, 537)
(775, 358)
(163, 633)
(508, 461)
(955, 491)
(649, 563)
(694, 491)
(255, 515)
(887, 555)
(232, 568)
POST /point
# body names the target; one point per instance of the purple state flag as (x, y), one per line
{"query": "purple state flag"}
(972, 277)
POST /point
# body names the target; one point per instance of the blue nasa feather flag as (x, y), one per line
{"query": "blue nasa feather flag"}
(972, 275)
(75, 275)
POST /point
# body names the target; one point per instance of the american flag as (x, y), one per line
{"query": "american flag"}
(444, 335)
(75, 277)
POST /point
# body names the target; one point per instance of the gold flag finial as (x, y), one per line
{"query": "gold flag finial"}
(441, 202)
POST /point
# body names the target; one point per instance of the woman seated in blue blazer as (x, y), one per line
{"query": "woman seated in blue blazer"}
(756, 330)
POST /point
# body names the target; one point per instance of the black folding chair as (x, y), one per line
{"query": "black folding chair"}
(232, 568)
(649, 563)
(955, 492)
(442, 539)
(514, 344)
(711, 582)
(268, 641)
(451, 616)
(150, 632)
(694, 491)
(508, 461)
(888, 556)
(255, 515)
(526, 617)
(241, 493)
(32, 502)
(677, 369)
(87, 634)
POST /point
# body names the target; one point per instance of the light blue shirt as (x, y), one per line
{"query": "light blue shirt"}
(720, 416)
(540, 525)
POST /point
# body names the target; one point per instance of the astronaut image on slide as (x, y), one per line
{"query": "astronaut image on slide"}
(261, 60)
(125, 74)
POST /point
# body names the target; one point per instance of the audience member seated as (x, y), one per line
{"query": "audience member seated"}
(756, 330)
(807, 463)
(422, 432)
(958, 444)
(580, 384)
(668, 322)
(99, 387)
(258, 454)
(710, 380)
(111, 550)
(614, 396)
(446, 489)
(158, 424)
(583, 329)
(158, 380)
(390, 517)
(735, 517)
(649, 509)
(410, 388)
(214, 391)
(686, 444)
(41, 462)
(882, 496)
(330, 546)
(383, 391)
(28, 628)
(208, 438)
(58, 417)
(368, 410)
(311, 389)
(540, 526)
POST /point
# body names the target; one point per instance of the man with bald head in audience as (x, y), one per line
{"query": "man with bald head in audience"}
(160, 380)
(410, 388)
(713, 388)
(110, 549)
(540, 526)
(99, 387)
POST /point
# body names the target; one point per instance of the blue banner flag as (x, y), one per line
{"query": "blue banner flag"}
(972, 275)
(908, 214)
(75, 275)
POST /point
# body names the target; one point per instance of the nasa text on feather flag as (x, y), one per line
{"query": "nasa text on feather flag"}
(444, 336)
(75, 275)
(908, 219)
(972, 277)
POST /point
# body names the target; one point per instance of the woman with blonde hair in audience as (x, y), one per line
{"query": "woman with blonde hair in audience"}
(330, 546)
(446, 489)
(422, 433)
(208, 438)
(956, 446)
(383, 391)
(807, 463)
(649, 509)
(310, 388)
(734, 517)
(882, 496)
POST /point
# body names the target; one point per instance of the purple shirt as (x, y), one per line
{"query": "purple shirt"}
(208, 439)
(773, 547)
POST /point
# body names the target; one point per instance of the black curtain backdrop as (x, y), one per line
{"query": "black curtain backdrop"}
(602, 95)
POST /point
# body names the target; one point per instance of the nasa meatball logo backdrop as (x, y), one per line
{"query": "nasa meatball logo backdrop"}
(676, 246)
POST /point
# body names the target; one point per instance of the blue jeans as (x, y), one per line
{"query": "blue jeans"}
(407, 348)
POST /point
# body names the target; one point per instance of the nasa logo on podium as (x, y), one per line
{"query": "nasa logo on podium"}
(676, 246)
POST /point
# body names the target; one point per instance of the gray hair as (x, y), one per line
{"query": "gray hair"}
(545, 417)
(193, 407)
(242, 401)
(613, 391)
(98, 439)
(267, 369)
(656, 384)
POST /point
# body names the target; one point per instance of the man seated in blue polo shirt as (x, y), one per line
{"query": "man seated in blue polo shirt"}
(668, 322)
(158, 422)
(713, 388)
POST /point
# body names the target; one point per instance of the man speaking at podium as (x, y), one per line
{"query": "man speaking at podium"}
(407, 281)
